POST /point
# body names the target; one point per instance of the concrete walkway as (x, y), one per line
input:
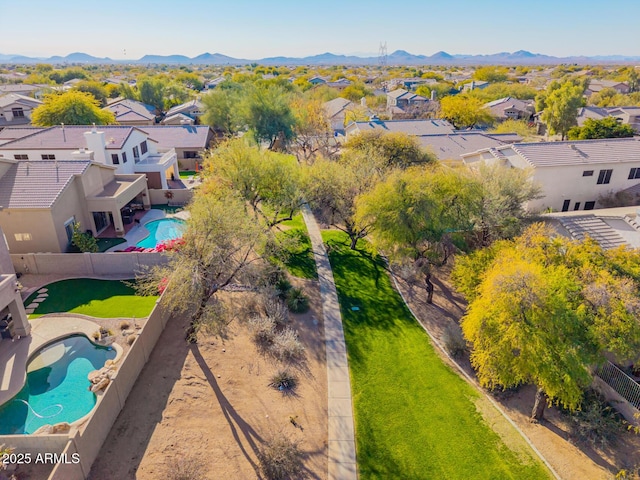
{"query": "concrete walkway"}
(342, 447)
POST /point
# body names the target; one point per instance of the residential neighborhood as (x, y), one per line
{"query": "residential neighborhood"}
(277, 263)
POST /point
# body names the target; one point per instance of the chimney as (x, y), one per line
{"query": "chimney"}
(363, 102)
(95, 142)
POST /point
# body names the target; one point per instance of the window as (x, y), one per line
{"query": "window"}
(143, 147)
(115, 159)
(576, 206)
(589, 205)
(604, 177)
(124, 157)
(68, 228)
(136, 153)
(21, 157)
(587, 173)
(17, 112)
(634, 173)
(565, 205)
(22, 237)
(48, 157)
(190, 154)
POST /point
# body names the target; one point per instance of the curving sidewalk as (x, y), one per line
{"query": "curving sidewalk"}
(342, 448)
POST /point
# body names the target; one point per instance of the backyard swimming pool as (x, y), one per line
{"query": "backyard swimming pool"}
(161, 231)
(57, 387)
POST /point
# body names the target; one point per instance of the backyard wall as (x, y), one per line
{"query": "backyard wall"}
(180, 197)
(87, 264)
(88, 440)
(627, 410)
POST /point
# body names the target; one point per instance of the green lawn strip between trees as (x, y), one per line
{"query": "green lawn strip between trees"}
(96, 298)
(300, 261)
(415, 418)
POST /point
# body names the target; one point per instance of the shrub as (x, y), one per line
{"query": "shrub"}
(276, 311)
(185, 468)
(263, 332)
(280, 458)
(297, 301)
(124, 325)
(284, 380)
(286, 346)
(454, 342)
(130, 339)
(83, 241)
(596, 422)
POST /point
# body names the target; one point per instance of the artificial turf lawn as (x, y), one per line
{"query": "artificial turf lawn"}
(300, 261)
(96, 298)
(415, 418)
(184, 175)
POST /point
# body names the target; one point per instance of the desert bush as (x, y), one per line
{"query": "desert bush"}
(286, 346)
(453, 341)
(297, 302)
(284, 380)
(596, 423)
(185, 468)
(263, 332)
(124, 325)
(276, 311)
(280, 459)
(130, 339)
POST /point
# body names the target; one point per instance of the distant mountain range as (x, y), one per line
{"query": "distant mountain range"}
(399, 57)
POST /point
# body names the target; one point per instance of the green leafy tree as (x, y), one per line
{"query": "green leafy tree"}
(396, 149)
(190, 80)
(268, 115)
(465, 112)
(71, 108)
(561, 112)
(97, 89)
(355, 92)
(221, 110)
(82, 240)
(313, 132)
(521, 127)
(151, 91)
(544, 309)
(605, 128)
(491, 74)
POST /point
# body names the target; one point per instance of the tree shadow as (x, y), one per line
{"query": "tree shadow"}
(236, 423)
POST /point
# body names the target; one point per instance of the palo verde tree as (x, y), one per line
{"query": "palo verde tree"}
(268, 115)
(71, 108)
(268, 181)
(416, 213)
(559, 105)
(544, 309)
(464, 111)
(608, 127)
(396, 149)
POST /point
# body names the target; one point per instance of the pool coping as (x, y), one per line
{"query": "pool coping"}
(139, 232)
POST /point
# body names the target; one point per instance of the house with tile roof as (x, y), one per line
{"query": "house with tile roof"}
(573, 175)
(404, 99)
(129, 149)
(188, 141)
(511, 108)
(336, 111)
(410, 127)
(596, 86)
(132, 112)
(451, 146)
(192, 110)
(16, 109)
(40, 201)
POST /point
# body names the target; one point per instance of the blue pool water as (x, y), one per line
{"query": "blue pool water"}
(161, 231)
(57, 388)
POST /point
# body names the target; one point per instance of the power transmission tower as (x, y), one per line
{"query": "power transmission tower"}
(382, 54)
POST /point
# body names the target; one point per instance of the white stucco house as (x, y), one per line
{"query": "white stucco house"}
(572, 174)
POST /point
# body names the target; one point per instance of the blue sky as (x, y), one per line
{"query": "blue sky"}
(256, 28)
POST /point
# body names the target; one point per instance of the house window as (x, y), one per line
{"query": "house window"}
(576, 206)
(124, 157)
(634, 173)
(565, 205)
(587, 173)
(48, 157)
(589, 205)
(115, 159)
(22, 237)
(604, 177)
(21, 156)
(143, 147)
(136, 154)
(68, 228)
(190, 154)
(17, 112)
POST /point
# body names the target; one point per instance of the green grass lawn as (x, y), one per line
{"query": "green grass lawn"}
(188, 173)
(96, 298)
(105, 244)
(300, 261)
(415, 418)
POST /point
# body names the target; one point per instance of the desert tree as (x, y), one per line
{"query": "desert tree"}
(71, 108)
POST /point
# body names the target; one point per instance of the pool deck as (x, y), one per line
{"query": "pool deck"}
(14, 354)
(139, 232)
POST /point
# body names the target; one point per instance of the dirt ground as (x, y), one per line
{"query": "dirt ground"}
(572, 461)
(210, 403)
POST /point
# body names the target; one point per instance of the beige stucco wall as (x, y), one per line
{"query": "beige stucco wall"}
(37, 222)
